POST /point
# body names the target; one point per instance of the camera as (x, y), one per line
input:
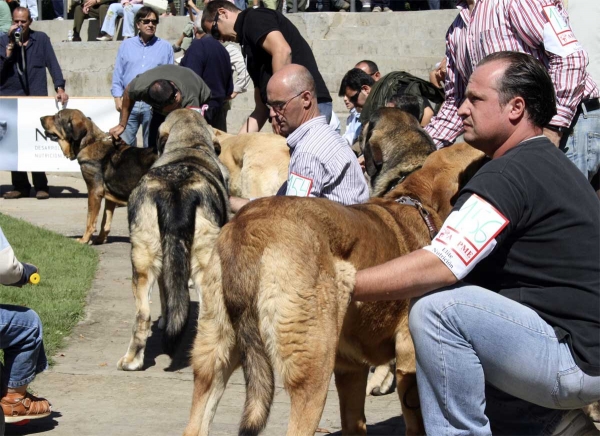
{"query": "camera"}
(17, 33)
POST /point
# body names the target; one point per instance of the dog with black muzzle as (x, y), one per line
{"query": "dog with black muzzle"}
(110, 170)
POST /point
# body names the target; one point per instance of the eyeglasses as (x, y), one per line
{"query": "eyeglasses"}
(279, 108)
(214, 30)
(146, 21)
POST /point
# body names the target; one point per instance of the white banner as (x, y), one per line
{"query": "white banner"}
(23, 145)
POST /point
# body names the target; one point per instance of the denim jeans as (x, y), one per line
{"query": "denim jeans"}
(117, 10)
(583, 145)
(21, 341)
(140, 115)
(482, 357)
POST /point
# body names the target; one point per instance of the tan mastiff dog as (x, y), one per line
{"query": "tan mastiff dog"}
(278, 287)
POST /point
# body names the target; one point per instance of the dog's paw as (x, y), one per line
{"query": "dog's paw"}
(84, 241)
(125, 365)
(99, 240)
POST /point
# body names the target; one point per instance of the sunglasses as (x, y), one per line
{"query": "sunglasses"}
(354, 98)
(214, 30)
(147, 21)
(279, 107)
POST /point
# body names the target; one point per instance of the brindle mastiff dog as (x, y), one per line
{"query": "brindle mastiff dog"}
(110, 170)
(277, 290)
(175, 214)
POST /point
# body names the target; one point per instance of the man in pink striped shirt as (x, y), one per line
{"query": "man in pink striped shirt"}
(539, 28)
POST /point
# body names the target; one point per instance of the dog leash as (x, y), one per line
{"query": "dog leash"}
(422, 211)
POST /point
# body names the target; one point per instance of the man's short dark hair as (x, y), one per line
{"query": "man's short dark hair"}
(355, 79)
(211, 8)
(526, 77)
(161, 93)
(373, 68)
(144, 12)
(408, 103)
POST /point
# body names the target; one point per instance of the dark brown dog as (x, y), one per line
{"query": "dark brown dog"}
(110, 170)
(277, 289)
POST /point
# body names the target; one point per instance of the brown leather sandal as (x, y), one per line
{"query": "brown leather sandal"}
(17, 407)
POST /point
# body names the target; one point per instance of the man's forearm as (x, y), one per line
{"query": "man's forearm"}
(405, 277)
(281, 59)
(126, 108)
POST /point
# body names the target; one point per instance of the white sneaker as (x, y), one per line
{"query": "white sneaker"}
(386, 9)
(59, 18)
(104, 38)
(376, 9)
(575, 423)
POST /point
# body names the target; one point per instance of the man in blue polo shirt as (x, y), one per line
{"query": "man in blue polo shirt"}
(138, 55)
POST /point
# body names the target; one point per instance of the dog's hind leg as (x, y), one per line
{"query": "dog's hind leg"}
(146, 267)
(308, 348)
(351, 383)
(109, 209)
(214, 356)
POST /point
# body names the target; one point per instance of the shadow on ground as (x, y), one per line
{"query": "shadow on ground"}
(154, 346)
(390, 427)
(55, 191)
(34, 426)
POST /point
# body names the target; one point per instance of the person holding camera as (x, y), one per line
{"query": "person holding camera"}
(22, 52)
(21, 333)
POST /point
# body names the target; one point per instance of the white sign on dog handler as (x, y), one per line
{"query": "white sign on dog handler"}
(26, 147)
(299, 186)
(468, 235)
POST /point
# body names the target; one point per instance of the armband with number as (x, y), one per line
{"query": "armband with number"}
(468, 236)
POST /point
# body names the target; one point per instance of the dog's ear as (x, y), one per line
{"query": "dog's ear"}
(373, 153)
(75, 129)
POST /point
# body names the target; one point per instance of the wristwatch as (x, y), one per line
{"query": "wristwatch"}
(557, 128)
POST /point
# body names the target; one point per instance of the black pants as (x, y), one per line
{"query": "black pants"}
(155, 122)
(217, 117)
(21, 182)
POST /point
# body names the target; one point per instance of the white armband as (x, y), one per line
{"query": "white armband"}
(558, 36)
(468, 236)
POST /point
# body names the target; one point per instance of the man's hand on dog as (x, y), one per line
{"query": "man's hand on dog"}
(116, 131)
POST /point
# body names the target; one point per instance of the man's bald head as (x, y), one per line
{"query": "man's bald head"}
(294, 78)
(292, 98)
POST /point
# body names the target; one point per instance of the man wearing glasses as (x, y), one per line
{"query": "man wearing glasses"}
(322, 164)
(137, 55)
(269, 42)
(370, 68)
(165, 88)
(358, 86)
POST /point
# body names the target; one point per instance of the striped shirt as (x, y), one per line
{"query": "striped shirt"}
(508, 25)
(322, 164)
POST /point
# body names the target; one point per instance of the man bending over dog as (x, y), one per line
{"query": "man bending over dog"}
(182, 89)
(322, 164)
(521, 334)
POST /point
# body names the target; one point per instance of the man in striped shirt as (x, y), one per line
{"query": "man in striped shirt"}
(539, 28)
(322, 164)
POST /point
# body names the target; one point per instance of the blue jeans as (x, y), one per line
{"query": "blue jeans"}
(21, 341)
(326, 109)
(583, 145)
(482, 357)
(140, 115)
(117, 10)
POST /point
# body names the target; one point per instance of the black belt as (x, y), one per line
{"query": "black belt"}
(592, 104)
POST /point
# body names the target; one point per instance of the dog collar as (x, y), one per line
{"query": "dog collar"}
(409, 201)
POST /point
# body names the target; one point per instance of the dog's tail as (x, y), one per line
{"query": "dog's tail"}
(241, 268)
(176, 222)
